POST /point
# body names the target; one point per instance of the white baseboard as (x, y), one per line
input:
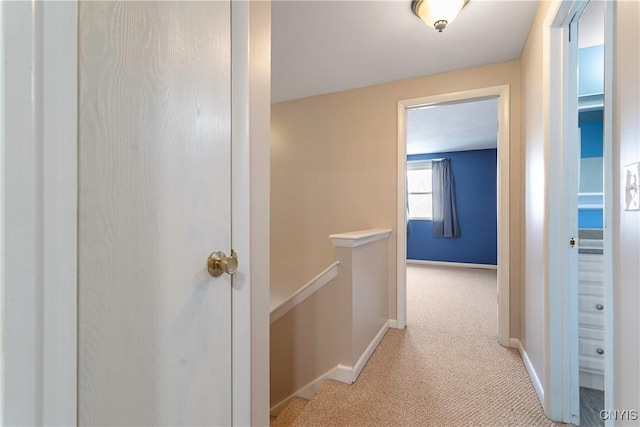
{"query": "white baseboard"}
(452, 264)
(342, 373)
(308, 391)
(393, 324)
(532, 372)
(514, 343)
(369, 351)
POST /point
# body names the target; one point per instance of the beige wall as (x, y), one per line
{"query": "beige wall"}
(532, 240)
(333, 163)
(626, 227)
(312, 338)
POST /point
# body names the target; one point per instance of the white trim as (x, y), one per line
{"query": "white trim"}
(555, 71)
(514, 343)
(21, 350)
(393, 324)
(338, 373)
(503, 208)
(452, 264)
(342, 373)
(401, 217)
(305, 292)
(530, 369)
(60, 204)
(240, 216)
(256, 296)
(562, 150)
(369, 351)
(610, 208)
(354, 239)
(39, 221)
(2, 209)
(571, 204)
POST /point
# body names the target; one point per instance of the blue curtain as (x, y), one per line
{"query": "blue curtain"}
(445, 216)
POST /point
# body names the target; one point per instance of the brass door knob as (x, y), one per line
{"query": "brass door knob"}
(219, 263)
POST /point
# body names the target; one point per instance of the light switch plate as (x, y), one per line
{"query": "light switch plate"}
(632, 187)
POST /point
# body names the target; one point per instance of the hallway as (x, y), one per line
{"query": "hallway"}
(446, 368)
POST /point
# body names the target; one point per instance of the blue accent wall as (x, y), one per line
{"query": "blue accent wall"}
(591, 145)
(590, 218)
(475, 176)
(590, 82)
(591, 135)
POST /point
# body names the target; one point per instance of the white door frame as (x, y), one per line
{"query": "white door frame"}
(560, 105)
(38, 210)
(250, 170)
(503, 95)
(39, 203)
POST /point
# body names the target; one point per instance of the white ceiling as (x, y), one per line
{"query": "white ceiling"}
(320, 47)
(443, 128)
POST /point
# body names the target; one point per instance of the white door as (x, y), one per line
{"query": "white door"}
(154, 334)
(570, 179)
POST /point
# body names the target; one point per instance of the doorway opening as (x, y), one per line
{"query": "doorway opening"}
(580, 289)
(419, 164)
(591, 193)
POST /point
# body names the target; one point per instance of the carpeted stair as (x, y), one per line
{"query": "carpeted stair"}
(290, 413)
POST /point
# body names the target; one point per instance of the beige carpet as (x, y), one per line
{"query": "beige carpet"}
(290, 413)
(445, 369)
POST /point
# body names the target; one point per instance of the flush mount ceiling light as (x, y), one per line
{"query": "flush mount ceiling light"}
(437, 13)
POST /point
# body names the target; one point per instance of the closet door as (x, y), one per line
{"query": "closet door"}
(154, 336)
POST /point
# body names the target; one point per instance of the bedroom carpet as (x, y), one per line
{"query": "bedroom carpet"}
(445, 369)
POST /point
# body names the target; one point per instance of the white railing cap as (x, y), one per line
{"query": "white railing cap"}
(354, 239)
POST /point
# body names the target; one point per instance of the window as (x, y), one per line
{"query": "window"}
(419, 189)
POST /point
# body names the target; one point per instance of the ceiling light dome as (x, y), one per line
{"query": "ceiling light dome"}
(437, 13)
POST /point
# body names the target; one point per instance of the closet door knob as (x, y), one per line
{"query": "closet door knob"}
(600, 351)
(218, 263)
(599, 307)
